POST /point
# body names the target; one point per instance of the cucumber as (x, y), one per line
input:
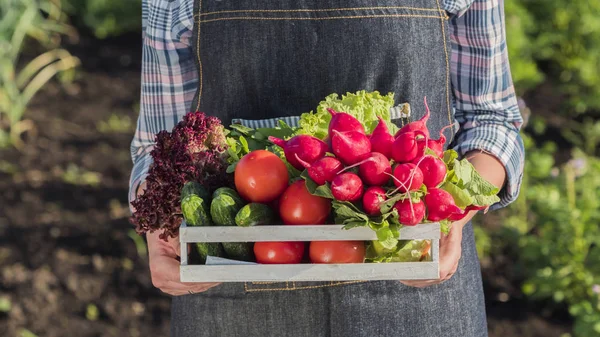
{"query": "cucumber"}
(196, 213)
(242, 251)
(192, 187)
(224, 207)
(228, 191)
(255, 214)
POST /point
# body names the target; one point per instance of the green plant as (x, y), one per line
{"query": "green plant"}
(562, 38)
(106, 17)
(44, 22)
(554, 225)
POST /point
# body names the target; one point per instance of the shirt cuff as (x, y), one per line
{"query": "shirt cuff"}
(139, 172)
(505, 143)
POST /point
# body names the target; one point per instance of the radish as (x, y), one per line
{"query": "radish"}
(410, 213)
(375, 170)
(347, 187)
(440, 205)
(343, 122)
(322, 170)
(381, 139)
(419, 125)
(350, 147)
(307, 148)
(456, 217)
(434, 170)
(372, 200)
(436, 145)
(405, 147)
(408, 177)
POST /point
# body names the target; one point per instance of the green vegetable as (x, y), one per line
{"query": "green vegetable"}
(405, 251)
(196, 213)
(242, 251)
(255, 214)
(364, 106)
(465, 184)
(193, 187)
(229, 192)
(224, 207)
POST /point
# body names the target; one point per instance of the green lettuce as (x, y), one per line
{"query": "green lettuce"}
(364, 106)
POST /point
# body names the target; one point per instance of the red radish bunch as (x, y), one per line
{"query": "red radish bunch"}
(350, 146)
(322, 170)
(440, 205)
(301, 148)
(381, 139)
(375, 170)
(433, 170)
(411, 213)
(343, 122)
(408, 177)
(405, 148)
(347, 187)
(372, 200)
(363, 161)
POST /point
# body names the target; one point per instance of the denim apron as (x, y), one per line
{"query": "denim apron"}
(259, 60)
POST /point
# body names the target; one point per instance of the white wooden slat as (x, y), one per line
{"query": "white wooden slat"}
(435, 254)
(311, 272)
(183, 254)
(298, 233)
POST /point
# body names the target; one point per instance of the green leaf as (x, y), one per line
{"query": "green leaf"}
(348, 224)
(481, 186)
(314, 189)
(244, 143)
(231, 168)
(386, 238)
(462, 198)
(485, 200)
(449, 157)
(244, 130)
(346, 210)
(463, 170)
(445, 226)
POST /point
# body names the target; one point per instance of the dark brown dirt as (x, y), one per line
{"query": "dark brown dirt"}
(69, 266)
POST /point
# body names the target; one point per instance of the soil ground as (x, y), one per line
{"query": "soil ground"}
(69, 261)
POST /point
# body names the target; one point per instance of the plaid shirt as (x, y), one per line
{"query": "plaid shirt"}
(484, 99)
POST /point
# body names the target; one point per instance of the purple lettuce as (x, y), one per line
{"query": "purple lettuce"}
(195, 150)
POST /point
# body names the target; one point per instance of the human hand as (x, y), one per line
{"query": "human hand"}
(164, 264)
(164, 267)
(450, 253)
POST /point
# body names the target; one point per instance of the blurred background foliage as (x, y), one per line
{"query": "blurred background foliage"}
(551, 233)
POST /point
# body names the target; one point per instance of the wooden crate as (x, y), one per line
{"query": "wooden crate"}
(305, 272)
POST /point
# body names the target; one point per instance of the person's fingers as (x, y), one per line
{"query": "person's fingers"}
(164, 271)
(178, 289)
(174, 242)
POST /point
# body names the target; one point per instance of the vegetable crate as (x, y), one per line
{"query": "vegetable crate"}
(250, 272)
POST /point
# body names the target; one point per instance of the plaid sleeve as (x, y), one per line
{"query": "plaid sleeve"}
(169, 78)
(484, 97)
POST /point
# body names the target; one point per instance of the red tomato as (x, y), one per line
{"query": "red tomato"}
(279, 252)
(337, 251)
(260, 176)
(298, 207)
